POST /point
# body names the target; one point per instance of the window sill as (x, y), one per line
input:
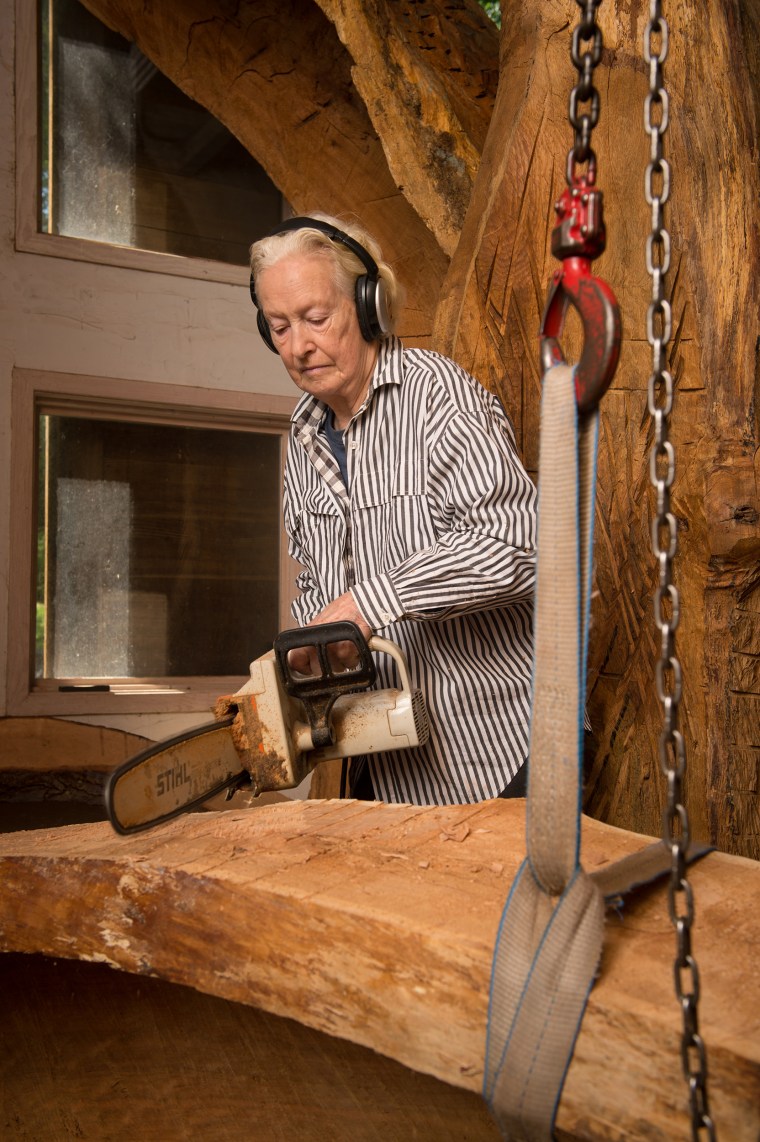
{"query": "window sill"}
(124, 696)
(127, 257)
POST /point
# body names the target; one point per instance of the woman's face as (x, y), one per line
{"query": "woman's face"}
(315, 329)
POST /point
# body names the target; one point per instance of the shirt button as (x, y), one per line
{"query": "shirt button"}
(354, 445)
(386, 618)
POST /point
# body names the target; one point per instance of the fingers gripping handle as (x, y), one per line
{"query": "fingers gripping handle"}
(318, 692)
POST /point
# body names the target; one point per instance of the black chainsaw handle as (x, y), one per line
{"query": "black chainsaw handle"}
(318, 692)
(321, 637)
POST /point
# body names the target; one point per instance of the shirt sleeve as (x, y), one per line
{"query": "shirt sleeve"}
(484, 504)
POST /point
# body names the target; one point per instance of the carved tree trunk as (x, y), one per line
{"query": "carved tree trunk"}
(383, 108)
(488, 318)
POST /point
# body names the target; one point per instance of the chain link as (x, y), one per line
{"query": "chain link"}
(668, 676)
(584, 91)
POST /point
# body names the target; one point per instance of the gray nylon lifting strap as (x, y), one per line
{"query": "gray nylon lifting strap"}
(550, 938)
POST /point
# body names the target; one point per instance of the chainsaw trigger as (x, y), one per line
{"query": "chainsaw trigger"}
(243, 780)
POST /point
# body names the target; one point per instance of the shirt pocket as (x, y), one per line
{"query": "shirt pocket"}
(390, 531)
(317, 521)
(379, 483)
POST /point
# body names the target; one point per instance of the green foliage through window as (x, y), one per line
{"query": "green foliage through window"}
(492, 8)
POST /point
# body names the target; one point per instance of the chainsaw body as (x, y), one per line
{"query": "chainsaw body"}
(279, 750)
(274, 730)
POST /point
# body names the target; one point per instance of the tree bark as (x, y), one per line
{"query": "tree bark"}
(280, 76)
(391, 945)
(427, 76)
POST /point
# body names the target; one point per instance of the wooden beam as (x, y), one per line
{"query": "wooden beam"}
(278, 77)
(376, 923)
(53, 743)
(427, 74)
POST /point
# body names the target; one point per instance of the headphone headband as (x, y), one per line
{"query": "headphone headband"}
(371, 304)
(334, 234)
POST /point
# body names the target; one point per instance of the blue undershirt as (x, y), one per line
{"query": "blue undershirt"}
(337, 444)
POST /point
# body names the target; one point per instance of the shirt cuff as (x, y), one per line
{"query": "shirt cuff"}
(377, 601)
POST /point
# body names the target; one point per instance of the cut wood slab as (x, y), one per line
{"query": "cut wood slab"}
(376, 923)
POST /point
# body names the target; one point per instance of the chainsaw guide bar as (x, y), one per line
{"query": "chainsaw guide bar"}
(174, 777)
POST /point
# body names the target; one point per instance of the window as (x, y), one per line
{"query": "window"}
(128, 168)
(156, 543)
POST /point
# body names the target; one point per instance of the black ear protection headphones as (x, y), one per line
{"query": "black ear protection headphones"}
(370, 297)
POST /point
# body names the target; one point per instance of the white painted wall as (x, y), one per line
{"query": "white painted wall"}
(72, 316)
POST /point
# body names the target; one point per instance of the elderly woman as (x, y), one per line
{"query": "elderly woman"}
(408, 508)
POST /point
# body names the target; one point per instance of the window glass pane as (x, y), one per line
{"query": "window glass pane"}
(158, 549)
(127, 158)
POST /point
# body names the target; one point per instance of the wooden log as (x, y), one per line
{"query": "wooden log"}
(45, 759)
(377, 923)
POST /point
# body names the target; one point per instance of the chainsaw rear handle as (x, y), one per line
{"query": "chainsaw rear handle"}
(397, 654)
(318, 692)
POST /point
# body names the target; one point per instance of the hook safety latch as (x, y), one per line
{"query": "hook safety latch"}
(577, 239)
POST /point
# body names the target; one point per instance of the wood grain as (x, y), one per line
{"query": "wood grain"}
(376, 924)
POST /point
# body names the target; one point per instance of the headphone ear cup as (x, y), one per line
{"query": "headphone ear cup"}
(381, 313)
(261, 321)
(365, 307)
(263, 326)
(372, 307)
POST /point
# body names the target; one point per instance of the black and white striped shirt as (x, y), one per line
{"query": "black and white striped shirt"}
(435, 538)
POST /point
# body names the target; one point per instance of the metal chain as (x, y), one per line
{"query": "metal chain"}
(584, 90)
(666, 599)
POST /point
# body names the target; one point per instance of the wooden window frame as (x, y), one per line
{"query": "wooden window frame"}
(29, 238)
(133, 401)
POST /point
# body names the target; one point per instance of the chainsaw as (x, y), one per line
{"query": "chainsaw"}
(275, 729)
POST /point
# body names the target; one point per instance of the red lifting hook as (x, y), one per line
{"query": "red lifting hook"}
(578, 238)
